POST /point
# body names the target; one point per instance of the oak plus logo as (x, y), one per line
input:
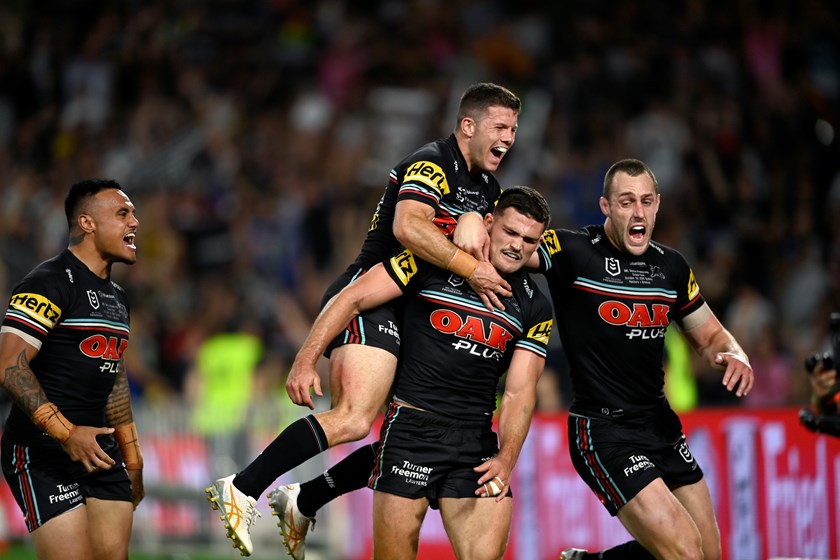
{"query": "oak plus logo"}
(107, 348)
(646, 321)
(486, 341)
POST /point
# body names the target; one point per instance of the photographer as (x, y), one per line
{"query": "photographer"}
(825, 392)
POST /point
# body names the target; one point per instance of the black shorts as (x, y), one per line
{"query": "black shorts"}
(618, 460)
(377, 327)
(423, 455)
(46, 482)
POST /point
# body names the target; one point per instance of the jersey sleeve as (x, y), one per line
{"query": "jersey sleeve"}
(424, 179)
(540, 322)
(406, 270)
(35, 308)
(689, 298)
(548, 247)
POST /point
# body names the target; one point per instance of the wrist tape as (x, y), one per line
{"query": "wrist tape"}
(129, 442)
(462, 264)
(50, 420)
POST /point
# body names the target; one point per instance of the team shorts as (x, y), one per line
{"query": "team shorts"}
(618, 460)
(46, 482)
(423, 455)
(377, 327)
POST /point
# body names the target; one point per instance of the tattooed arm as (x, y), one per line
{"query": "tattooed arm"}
(118, 414)
(18, 379)
(118, 407)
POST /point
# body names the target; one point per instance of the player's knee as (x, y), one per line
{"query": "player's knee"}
(687, 548)
(358, 426)
(489, 551)
(347, 425)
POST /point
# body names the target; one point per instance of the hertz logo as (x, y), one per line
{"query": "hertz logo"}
(37, 307)
(550, 242)
(541, 331)
(404, 265)
(429, 174)
(374, 222)
(693, 288)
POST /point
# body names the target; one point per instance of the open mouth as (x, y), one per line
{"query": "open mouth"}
(637, 233)
(499, 151)
(129, 241)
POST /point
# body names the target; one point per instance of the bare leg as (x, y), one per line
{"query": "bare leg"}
(396, 526)
(698, 502)
(478, 528)
(100, 530)
(360, 380)
(661, 524)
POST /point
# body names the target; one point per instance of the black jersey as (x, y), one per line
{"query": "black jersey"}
(437, 175)
(612, 310)
(80, 324)
(453, 349)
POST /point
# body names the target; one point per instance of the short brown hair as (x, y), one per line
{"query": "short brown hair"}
(479, 97)
(526, 201)
(633, 167)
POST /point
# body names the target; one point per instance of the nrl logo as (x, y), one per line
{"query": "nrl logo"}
(456, 280)
(685, 453)
(612, 266)
(93, 299)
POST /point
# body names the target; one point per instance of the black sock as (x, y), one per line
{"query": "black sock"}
(299, 442)
(351, 473)
(631, 550)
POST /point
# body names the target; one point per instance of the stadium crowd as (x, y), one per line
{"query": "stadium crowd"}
(255, 138)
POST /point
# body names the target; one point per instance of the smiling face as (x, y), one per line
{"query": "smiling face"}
(513, 239)
(485, 140)
(630, 205)
(112, 219)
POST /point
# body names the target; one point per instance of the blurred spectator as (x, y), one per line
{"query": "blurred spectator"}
(247, 133)
(221, 384)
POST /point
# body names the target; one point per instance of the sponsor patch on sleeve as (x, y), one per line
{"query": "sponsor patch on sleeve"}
(693, 288)
(541, 331)
(36, 307)
(429, 174)
(404, 266)
(550, 242)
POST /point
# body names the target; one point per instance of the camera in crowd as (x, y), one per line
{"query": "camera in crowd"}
(812, 361)
(826, 418)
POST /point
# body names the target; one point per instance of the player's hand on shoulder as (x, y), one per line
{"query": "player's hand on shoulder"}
(82, 447)
(300, 379)
(738, 375)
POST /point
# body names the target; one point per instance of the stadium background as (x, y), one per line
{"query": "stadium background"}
(256, 137)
